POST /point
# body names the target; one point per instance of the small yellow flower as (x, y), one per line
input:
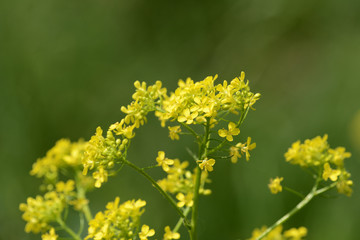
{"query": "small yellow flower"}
(246, 147)
(163, 161)
(187, 116)
(65, 188)
(100, 176)
(146, 232)
(344, 187)
(207, 164)
(170, 235)
(173, 132)
(330, 173)
(234, 153)
(295, 233)
(79, 203)
(275, 185)
(50, 235)
(233, 131)
(185, 200)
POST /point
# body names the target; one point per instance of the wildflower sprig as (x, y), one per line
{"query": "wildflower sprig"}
(212, 113)
(317, 155)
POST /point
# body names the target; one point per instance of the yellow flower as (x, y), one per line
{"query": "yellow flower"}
(100, 176)
(40, 211)
(207, 164)
(185, 200)
(79, 203)
(65, 188)
(234, 153)
(163, 161)
(233, 131)
(275, 185)
(330, 173)
(187, 116)
(344, 187)
(146, 232)
(246, 147)
(275, 234)
(170, 235)
(295, 233)
(339, 155)
(173, 132)
(50, 235)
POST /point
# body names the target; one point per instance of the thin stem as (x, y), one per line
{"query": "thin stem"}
(203, 151)
(150, 167)
(313, 193)
(181, 220)
(81, 227)
(194, 213)
(294, 192)
(154, 183)
(190, 130)
(241, 120)
(81, 195)
(67, 229)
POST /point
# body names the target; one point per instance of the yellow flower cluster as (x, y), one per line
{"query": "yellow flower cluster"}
(120, 222)
(39, 212)
(244, 148)
(275, 185)
(181, 182)
(64, 154)
(193, 102)
(102, 153)
(169, 235)
(316, 153)
(50, 235)
(277, 234)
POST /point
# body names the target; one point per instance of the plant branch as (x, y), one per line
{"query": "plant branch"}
(154, 183)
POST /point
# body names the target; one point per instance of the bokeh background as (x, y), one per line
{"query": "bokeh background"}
(67, 67)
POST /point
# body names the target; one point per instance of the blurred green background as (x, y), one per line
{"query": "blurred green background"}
(67, 67)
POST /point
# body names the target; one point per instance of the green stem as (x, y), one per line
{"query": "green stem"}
(194, 213)
(294, 192)
(67, 229)
(190, 130)
(203, 153)
(154, 183)
(81, 195)
(181, 220)
(313, 193)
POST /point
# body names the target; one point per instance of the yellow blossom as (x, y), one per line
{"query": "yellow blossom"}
(246, 147)
(338, 156)
(163, 161)
(234, 153)
(207, 164)
(187, 116)
(50, 235)
(146, 232)
(330, 173)
(275, 234)
(233, 131)
(65, 188)
(275, 185)
(170, 235)
(185, 200)
(40, 211)
(296, 233)
(118, 221)
(100, 176)
(174, 132)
